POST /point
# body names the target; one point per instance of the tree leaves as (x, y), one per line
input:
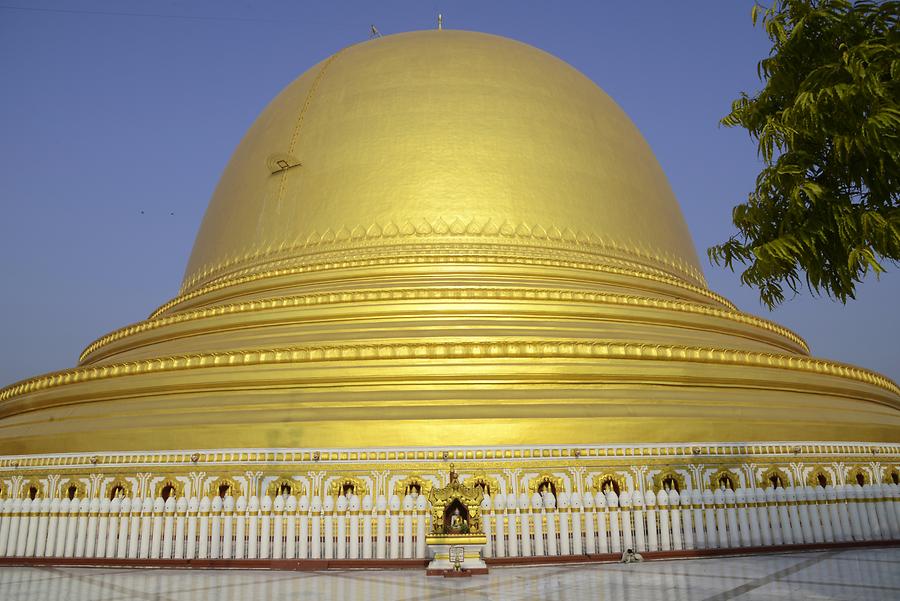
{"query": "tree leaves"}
(825, 211)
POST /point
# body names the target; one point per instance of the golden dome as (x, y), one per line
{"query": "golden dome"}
(469, 136)
(444, 238)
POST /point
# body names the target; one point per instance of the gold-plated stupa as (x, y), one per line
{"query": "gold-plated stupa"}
(444, 238)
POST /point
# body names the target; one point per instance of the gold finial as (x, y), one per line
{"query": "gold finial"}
(440, 21)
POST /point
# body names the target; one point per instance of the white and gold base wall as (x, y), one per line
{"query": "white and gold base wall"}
(274, 504)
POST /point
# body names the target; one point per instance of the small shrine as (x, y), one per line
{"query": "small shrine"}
(456, 536)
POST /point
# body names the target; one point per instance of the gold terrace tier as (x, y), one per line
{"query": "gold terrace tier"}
(447, 238)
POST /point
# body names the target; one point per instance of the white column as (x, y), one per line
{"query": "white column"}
(5, 520)
(265, 527)
(615, 536)
(43, 523)
(625, 517)
(590, 525)
(253, 528)
(537, 511)
(784, 519)
(803, 512)
(278, 527)
(637, 508)
(340, 517)
(84, 508)
(843, 501)
(381, 527)
(853, 509)
(774, 516)
(156, 541)
(168, 527)
(228, 526)
(834, 514)
(823, 506)
(687, 521)
(525, 524)
(146, 527)
(721, 517)
(815, 519)
(37, 531)
(699, 515)
(674, 503)
(762, 516)
(328, 527)
(215, 527)
(71, 531)
(303, 518)
(124, 519)
(894, 508)
(112, 536)
(407, 511)
(394, 515)
(102, 528)
(421, 519)
(688, 511)
(512, 547)
(870, 496)
(746, 508)
(884, 509)
(12, 539)
(498, 527)
(366, 517)
(666, 528)
(190, 551)
(240, 527)
(52, 527)
(565, 513)
(734, 533)
(90, 539)
(552, 522)
(652, 515)
(181, 507)
(709, 512)
(203, 528)
(134, 528)
(24, 524)
(290, 512)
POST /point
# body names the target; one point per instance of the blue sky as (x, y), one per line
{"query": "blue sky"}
(104, 115)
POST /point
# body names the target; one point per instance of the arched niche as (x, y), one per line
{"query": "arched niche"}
(32, 489)
(724, 477)
(169, 487)
(345, 485)
(72, 489)
(670, 479)
(284, 485)
(858, 475)
(774, 477)
(412, 484)
(602, 482)
(489, 486)
(223, 487)
(819, 476)
(546, 481)
(118, 488)
(891, 475)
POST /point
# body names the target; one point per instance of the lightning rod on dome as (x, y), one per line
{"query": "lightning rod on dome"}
(440, 21)
(373, 32)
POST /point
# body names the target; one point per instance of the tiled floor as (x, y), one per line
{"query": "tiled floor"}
(857, 575)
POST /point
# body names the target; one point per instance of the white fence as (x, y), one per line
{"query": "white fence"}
(287, 527)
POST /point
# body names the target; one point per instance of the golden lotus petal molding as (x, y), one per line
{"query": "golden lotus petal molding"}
(456, 228)
(453, 350)
(479, 293)
(315, 267)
